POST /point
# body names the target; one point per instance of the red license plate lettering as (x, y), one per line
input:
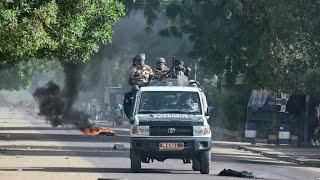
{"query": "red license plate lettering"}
(171, 146)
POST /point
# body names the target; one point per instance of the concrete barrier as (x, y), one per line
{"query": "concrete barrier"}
(250, 132)
(284, 134)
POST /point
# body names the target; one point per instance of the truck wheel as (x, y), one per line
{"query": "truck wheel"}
(135, 161)
(205, 161)
(195, 164)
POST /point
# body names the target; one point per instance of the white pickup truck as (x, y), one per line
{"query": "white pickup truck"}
(170, 122)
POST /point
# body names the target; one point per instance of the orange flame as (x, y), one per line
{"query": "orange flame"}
(99, 131)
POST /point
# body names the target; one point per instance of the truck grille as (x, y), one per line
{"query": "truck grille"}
(171, 131)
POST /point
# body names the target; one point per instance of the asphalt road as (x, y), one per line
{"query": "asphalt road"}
(31, 149)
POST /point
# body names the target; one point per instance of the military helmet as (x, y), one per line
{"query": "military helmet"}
(179, 65)
(161, 59)
(178, 62)
(140, 56)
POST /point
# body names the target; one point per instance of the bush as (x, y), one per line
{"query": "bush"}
(230, 110)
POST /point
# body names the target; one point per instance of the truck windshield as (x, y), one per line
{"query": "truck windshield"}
(170, 102)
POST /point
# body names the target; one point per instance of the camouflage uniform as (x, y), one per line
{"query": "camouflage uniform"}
(140, 75)
(161, 70)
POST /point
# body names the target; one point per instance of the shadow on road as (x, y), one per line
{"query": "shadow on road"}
(59, 148)
(120, 131)
(121, 154)
(93, 170)
(92, 151)
(61, 137)
(252, 159)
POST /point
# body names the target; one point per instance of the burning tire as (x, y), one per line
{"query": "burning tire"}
(135, 161)
(195, 164)
(205, 160)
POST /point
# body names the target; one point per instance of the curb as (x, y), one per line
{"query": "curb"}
(280, 157)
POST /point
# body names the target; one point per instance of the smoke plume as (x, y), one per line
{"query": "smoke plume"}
(107, 68)
(57, 105)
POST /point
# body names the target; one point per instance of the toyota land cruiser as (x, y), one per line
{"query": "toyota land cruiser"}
(170, 122)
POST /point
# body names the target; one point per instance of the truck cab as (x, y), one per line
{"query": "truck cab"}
(170, 122)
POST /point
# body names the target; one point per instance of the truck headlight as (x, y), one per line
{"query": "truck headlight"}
(201, 130)
(140, 130)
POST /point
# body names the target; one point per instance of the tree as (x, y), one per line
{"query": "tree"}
(274, 43)
(67, 30)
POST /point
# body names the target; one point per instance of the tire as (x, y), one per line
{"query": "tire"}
(205, 161)
(135, 161)
(195, 164)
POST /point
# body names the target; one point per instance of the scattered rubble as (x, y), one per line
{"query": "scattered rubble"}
(119, 146)
(5, 136)
(3, 150)
(229, 172)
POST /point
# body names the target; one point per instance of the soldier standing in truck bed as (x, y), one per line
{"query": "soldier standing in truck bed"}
(161, 69)
(141, 74)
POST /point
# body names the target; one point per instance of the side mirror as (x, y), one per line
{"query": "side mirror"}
(209, 111)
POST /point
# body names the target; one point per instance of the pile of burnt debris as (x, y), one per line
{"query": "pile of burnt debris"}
(243, 174)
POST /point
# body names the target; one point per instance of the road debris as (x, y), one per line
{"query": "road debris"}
(119, 146)
(3, 150)
(229, 172)
(5, 136)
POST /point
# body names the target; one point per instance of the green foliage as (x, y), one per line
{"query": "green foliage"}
(68, 30)
(274, 43)
(22, 31)
(312, 82)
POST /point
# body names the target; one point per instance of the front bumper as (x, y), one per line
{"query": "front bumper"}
(191, 144)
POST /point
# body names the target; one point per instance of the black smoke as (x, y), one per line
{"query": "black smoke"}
(56, 105)
(93, 76)
(108, 68)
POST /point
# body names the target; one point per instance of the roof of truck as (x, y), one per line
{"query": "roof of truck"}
(170, 88)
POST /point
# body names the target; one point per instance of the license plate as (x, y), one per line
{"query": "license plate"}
(171, 146)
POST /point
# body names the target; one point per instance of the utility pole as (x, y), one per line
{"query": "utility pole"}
(306, 122)
(196, 68)
(195, 71)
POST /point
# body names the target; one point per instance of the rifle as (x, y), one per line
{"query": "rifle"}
(174, 75)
